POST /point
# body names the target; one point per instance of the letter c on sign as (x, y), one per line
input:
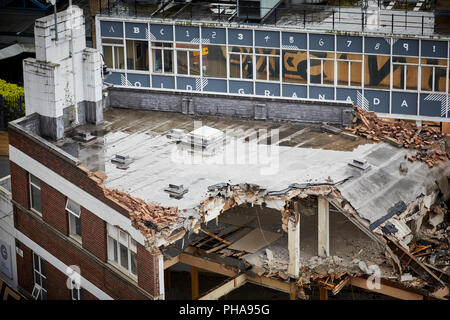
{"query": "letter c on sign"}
(161, 31)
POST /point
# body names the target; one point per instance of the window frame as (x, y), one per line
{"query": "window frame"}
(267, 57)
(114, 46)
(349, 62)
(38, 289)
(165, 46)
(72, 233)
(115, 233)
(30, 186)
(243, 55)
(333, 59)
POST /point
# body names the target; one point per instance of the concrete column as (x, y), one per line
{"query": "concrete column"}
(194, 283)
(294, 246)
(324, 227)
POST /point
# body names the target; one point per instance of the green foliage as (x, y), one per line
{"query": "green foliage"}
(13, 99)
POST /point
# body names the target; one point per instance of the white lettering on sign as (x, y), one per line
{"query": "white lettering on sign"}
(188, 87)
(240, 36)
(267, 38)
(349, 99)
(404, 104)
(349, 43)
(137, 84)
(291, 39)
(377, 46)
(111, 29)
(213, 35)
(161, 31)
(187, 34)
(267, 93)
(321, 43)
(376, 101)
(434, 48)
(162, 85)
(241, 91)
(294, 95)
(321, 96)
(136, 30)
(406, 46)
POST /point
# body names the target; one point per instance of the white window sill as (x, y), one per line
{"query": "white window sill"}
(37, 212)
(123, 272)
(76, 238)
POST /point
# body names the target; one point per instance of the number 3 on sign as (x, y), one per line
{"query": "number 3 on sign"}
(240, 36)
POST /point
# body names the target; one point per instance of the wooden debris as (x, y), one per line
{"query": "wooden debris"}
(215, 236)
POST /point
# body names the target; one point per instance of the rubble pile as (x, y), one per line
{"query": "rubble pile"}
(147, 217)
(430, 145)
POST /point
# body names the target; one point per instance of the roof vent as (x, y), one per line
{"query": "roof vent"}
(176, 134)
(123, 162)
(204, 137)
(176, 191)
(360, 164)
(83, 136)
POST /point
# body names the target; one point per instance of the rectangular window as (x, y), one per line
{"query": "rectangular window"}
(35, 194)
(122, 250)
(295, 66)
(74, 211)
(377, 71)
(113, 53)
(405, 73)
(188, 59)
(267, 64)
(433, 74)
(137, 55)
(241, 62)
(40, 280)
(349, 70)
(214, 61)
(162, 55)
(321, 68)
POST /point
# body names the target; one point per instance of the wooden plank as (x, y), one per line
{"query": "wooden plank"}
(206, 265)
(270, 283)
(194, 282)
(386, 290)
(324, 227)
(341, 285)
(171, 262)
(255, 240)
(215, 236)
(225, 288)
(323, 292)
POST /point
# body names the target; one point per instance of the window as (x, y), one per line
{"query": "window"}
(295, 66)
(268, 64)
(405, 73)
(433, 74)
(122, 250)
(113, 53)
(349, 70)
(74, 212)
(137, 55)
(377, 71)
(40, 280)
(214, 61)
(35, 194)
(321, 68)
(162, 54)
(241, 62)
(188, 59)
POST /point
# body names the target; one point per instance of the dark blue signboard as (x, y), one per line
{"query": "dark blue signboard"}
(406, 47)
(161, 32)
(291, 40)
(404, 103)
(116, 78)
(267, 89)
(163, 82)
(190, 84)
(269, 39)
(348, 95)
(136, 30)
(138, 80)
(377, 100)
(240, 37)
(241, 87)
(294, 91)
(433, 104)
(321, 93)
(215, 85)
(213, 35)
(111, 29)
(321, 42)
(377, 45)
(434, 49)
(349, 44)
(187, 34)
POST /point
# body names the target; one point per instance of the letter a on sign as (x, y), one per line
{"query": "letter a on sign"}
(349, 99)
(404, 104)
(111, 29)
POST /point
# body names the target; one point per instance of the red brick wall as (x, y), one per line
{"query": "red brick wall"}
(19, 185)
(93, 233)
(62, 167)
(54, 208)
(56, 284)
(25, 277)
(147, 268)
(102, 277)
(86, 295)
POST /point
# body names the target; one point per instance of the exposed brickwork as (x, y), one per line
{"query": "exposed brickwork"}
(19, 185)
(99, 275)
(147, 267)
(56, 284)
(53, 208)
(62, 167)
(25, 268)
(93, 231)
(94, 8)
